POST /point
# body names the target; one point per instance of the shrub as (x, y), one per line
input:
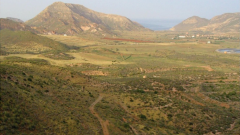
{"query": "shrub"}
(143, 117)
(140, 91)
(126, 125)
(46, 90)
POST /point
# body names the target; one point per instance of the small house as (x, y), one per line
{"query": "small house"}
(182, 36)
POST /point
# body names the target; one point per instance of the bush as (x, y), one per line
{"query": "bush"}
(126, 125)
(46, 90)
(143, 117)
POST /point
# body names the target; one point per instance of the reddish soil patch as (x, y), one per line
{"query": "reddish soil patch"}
(128, 40)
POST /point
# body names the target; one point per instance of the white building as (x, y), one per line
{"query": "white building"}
(182, 36)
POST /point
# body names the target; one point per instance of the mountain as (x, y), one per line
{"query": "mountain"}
(73, 19)
(228, 22)
(190, 23)
(15, 19)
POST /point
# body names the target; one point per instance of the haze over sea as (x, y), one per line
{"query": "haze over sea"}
(158, 24)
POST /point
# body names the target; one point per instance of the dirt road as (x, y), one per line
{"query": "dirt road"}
(102, 122)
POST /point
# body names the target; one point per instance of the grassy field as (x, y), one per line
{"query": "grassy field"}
(170, 86)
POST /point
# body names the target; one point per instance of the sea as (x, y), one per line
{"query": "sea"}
(158, 24)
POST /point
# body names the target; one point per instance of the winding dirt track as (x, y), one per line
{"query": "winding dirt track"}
(102, 122)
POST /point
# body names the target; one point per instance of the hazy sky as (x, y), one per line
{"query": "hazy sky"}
(133, 9)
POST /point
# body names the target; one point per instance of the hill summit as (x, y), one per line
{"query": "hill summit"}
(190, 23)
(228, 22)
(73, 19)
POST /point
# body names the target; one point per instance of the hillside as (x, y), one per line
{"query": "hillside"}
(27, 42)
(228, 22)
(38, 98)
(73, 19)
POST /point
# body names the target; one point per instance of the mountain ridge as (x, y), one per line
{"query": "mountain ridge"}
(228, 22)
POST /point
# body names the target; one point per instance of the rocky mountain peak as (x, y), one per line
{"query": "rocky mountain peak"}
(74, 19)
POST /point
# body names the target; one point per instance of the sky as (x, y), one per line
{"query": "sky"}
(133, 9)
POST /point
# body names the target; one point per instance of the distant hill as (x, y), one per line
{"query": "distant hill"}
(19, 26)
(14, 26)
(15, 19)
(73, 19)
(228, 22)
(190, 23)
(27, 42)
